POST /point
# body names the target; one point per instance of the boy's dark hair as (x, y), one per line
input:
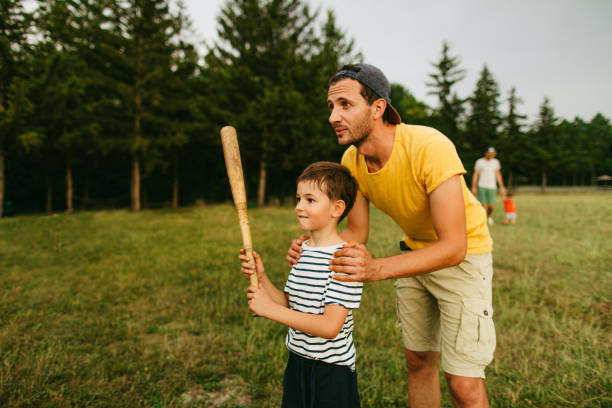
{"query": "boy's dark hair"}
(334, 180)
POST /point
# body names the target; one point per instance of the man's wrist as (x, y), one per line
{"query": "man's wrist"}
(378, 270)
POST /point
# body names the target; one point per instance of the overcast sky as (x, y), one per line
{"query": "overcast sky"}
(556, 48)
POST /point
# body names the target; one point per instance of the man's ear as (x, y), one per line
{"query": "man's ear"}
(338, 208)
(378, 108)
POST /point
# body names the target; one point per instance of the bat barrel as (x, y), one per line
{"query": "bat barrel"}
(231, 153)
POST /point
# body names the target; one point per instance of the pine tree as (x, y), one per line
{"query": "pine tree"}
(144, 32)
(315, 141)
(179, 115)
(14, 50)
(600, 131)
(545, 141)
(513, 141)
(410, 109)
(575, 155)
(484, 119)
(63, 107)
(450, 105)
(269, 73)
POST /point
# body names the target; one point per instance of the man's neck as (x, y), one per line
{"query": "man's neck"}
(377, 148)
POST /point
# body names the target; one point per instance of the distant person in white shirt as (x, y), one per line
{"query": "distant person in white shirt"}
(487, 175)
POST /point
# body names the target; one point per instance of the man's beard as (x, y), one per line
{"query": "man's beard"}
(362, 132)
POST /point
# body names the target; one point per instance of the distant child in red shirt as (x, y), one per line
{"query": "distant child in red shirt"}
(509, 209)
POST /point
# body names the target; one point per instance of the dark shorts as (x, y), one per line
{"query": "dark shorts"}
(315, 384)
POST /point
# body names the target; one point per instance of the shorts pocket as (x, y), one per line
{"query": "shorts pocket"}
(476, 336)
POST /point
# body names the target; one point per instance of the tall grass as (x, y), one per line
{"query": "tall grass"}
(116, 309)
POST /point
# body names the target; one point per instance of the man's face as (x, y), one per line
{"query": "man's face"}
(490, 155)
(350, 114)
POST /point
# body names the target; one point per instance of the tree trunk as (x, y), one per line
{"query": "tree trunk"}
(510, 180)
(135, 189)
(263, 170)
(1, 181)
(175, 183)
(86, 190)
(543, 189)
(135, 193)
(49, 199)
(69, 189)
(261, 191)
(574, 179)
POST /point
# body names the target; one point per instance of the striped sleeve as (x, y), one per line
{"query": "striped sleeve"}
(346, 294)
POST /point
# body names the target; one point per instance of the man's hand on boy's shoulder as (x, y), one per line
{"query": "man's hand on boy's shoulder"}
(353, 263)
(295, 250)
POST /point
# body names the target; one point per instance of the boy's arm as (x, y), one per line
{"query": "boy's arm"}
(326, 325)
(278, 296)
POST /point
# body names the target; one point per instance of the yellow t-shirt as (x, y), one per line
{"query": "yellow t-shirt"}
(422, 158)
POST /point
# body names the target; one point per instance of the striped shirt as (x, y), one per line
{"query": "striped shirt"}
(310, 287)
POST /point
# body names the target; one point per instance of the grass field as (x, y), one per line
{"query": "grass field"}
(116, 309)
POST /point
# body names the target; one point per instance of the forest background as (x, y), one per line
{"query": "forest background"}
(109, 104)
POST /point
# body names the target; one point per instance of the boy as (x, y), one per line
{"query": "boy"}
(509, 209)
(316, 308)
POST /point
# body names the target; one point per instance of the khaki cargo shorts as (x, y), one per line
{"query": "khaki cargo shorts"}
(450, 311)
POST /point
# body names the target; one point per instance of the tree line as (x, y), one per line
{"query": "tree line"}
(110, 103)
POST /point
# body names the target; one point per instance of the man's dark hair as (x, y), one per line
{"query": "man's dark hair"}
(334, 180)
(368, 94)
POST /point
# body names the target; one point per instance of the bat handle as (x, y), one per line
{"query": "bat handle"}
(253, 277)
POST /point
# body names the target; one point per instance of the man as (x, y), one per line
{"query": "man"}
(413, 174)
(484, 182)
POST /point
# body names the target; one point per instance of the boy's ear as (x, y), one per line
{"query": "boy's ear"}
(338, 208)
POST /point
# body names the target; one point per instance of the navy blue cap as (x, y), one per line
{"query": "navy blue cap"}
(374, 79)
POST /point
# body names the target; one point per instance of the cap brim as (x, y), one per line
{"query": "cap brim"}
(393, 116)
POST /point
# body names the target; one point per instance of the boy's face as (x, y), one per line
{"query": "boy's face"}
(314, 210)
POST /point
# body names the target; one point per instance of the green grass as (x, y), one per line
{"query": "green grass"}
(115, 309)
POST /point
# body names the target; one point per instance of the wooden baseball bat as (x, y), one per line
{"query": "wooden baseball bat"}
(229, 140)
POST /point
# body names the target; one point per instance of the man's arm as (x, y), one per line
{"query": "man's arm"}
(500, 181)
(326, 325)
(358, 221)
(474, 181)
(447, 210)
